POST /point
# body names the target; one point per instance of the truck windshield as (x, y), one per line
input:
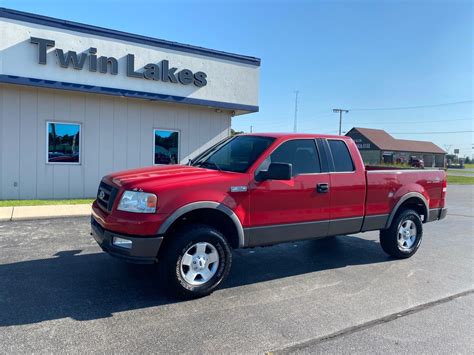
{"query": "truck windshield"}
(235, 154)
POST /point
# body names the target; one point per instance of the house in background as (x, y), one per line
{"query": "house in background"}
(377, 146)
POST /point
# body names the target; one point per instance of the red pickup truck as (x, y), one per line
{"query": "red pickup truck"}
(255, 190)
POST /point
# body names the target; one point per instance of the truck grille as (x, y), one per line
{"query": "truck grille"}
(106, 196)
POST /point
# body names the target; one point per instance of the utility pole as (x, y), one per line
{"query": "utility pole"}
(341, 111)
(296, 111)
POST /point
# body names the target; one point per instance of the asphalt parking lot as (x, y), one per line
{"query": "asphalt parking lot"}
(60, 293)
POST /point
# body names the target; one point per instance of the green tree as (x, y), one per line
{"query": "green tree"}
(233, 132)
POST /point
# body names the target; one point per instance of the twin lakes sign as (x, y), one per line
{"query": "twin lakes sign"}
(152, 71)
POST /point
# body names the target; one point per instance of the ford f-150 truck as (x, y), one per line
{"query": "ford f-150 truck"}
(256, 190)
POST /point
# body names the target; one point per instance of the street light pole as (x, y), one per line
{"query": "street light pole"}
(341, 111)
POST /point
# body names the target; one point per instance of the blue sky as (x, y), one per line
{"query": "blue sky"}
(348, 54)
(63, 129)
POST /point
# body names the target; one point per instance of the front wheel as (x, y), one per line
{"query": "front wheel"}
(403, 238)
(196, 261)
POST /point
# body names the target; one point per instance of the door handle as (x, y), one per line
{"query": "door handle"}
(322, 188)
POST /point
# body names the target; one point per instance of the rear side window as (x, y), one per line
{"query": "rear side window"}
(341, 156)
(300, 153)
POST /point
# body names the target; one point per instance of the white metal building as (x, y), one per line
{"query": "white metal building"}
(78, 102)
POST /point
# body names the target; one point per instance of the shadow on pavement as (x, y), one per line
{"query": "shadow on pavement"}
(92, 286)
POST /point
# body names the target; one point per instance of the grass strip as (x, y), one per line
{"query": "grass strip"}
(17, 203)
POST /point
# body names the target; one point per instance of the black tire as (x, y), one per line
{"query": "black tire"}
(389, 238)
(183, 240)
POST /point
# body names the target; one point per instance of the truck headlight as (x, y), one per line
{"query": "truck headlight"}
(138, 202)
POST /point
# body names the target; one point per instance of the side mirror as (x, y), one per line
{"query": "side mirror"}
(279, 171)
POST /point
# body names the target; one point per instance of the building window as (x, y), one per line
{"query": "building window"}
(166, 147)
(64, 145)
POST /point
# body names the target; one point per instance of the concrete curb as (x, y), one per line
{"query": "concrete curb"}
(6, 214)
(23, 213)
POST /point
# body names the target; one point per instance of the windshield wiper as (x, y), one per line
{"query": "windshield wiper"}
(210, 163)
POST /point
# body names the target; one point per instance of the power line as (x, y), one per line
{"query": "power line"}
(447, 147)
(411, 107)
(431, 132)
(307, 119)
(277, 124)
(431, 121)
(280, 123)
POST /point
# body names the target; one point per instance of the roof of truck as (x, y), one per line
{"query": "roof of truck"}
(295, 135)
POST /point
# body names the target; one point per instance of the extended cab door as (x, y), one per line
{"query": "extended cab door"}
(348, 186)
(285, 210)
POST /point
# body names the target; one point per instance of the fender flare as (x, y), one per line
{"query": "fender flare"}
(202, 205)
(402, 200)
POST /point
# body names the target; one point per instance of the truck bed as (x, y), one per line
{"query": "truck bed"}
(386, 185)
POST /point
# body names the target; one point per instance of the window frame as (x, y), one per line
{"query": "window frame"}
(179, 145)
(257, 171)
(333, 166)
(80, 142)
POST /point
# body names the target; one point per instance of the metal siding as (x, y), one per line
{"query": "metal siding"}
(133, 134)
(90, 145)
(439, 160)
(76, 172)
(10, 143)
(183, 122)
(204, 129)
(120, 134)
(62, 111)
(117, 134)
(193, 135)
(106, 136)
(146, 135)
(28, 144)
(44, 172)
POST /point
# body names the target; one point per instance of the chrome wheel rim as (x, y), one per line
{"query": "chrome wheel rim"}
(407, 235)
(199, 263)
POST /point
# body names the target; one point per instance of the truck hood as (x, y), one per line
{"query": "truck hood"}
(160, 175)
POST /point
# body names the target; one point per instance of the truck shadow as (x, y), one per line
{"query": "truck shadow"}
(92, 286)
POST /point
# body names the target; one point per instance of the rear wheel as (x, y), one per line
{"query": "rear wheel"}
(403, 238)
(196, 261)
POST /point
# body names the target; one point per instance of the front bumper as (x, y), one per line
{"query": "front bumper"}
(436, 214)
(144, 250)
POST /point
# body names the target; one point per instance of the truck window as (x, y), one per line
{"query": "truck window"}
(341, 156)
(300, 153)
(236, 154)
